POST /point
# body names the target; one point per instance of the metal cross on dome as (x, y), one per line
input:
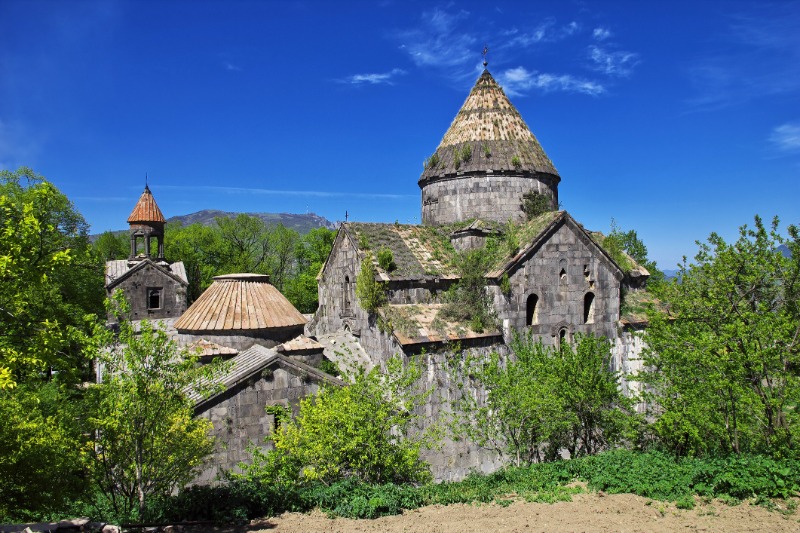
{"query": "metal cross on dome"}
(485, 51)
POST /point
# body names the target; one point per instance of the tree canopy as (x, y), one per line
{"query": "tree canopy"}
(49, 283)
(724, 355)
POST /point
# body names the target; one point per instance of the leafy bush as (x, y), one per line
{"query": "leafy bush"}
(543, 400)
(466, 153)
(366, 430)
(535, 203)
(370, 292)
(386, 259)
(654, 474)
(467, 301)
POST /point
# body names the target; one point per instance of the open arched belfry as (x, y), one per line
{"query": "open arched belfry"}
(154, 287)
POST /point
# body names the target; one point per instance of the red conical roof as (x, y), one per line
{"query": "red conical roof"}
(146, 209)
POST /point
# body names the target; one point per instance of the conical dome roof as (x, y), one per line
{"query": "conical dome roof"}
(239, 303)
(146, 210)
(488, 133)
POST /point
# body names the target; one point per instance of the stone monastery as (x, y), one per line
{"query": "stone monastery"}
(543, 273)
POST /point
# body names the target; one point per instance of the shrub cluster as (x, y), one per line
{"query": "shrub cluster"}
(655, 475)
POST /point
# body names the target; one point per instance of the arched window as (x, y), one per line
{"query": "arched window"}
(532, 314)
(588, 308)
(563, 336)
(346, 303)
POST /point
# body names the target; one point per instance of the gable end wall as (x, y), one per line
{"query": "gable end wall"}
(561, 300)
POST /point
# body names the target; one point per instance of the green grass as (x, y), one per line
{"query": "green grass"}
(654, 475)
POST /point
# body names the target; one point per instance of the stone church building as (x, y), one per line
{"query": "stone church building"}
(546, 273)
(556, 280)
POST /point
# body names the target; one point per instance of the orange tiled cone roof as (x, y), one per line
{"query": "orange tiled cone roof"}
(146, 209)
(488, 133)
(240, 302)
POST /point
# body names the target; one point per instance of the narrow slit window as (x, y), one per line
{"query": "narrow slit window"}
(346, 293)
(532, 314)
(588, 308)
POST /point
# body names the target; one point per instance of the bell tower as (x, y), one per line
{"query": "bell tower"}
(146, 225)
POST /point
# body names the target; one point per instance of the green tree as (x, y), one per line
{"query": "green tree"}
(109, 246)
(202, 251)
(283, 245)
(49, 283)
(246, 243)
(630, 243)
(367, 430)
(599, 415)
(723, 357)
(370, 292)
(311, 252)
(535, 203)
(541, 400)
(467, 300)
(40, 451)
(147, 441)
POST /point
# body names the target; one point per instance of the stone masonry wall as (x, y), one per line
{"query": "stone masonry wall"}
(173, 295)
(268, 338)
(560, 274)
(486, 196)
(626, 357)
(239, 417)
(338, 308)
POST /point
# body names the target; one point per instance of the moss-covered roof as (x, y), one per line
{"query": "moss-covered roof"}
(420, 252)
(488, 134)
(627, 263)
(635, 305)
(417, 251)
(421, 324)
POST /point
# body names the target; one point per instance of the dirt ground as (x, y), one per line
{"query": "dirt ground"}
(595, 512)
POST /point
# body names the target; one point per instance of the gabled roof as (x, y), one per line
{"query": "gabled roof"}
(246, 365)
(418, 252)
(119, 270)
(542, 228)
(425, 252)
(240, 302)
(488, 134)
(146, 209)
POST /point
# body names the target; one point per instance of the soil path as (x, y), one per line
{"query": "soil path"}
(591, 511)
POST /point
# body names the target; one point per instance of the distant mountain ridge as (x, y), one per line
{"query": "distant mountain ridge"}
(301, 223)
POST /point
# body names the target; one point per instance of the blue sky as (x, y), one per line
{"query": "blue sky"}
(673, 118)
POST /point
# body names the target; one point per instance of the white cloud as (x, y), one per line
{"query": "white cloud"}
(518, 81)
(786, 137)
(437, 43)
(232, 67)
(546, 32)
(374, 78)
(601, 34)
(612, 63)
(758, 58)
